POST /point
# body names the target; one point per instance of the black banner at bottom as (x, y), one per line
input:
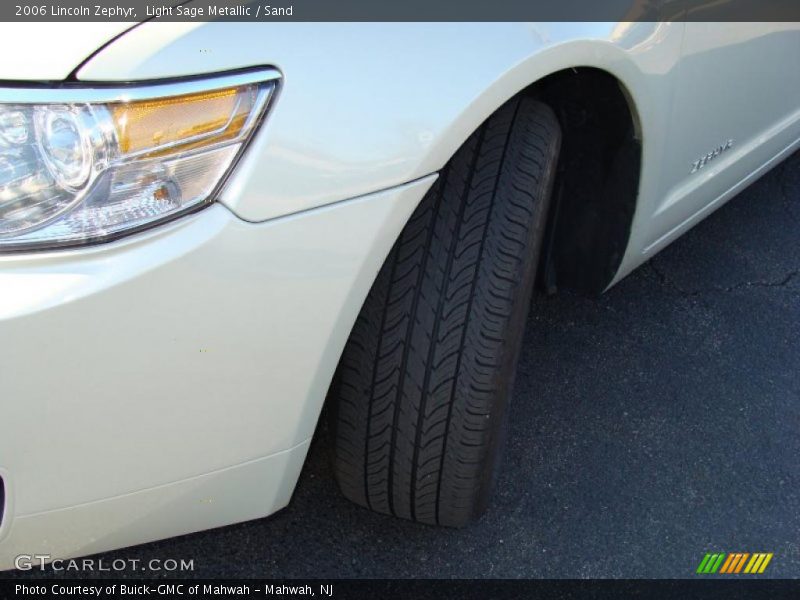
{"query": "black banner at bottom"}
(406, 589)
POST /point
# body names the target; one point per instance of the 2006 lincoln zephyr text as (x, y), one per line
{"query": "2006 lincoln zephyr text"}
(208, 228)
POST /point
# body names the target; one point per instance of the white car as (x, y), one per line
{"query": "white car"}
(207, 228)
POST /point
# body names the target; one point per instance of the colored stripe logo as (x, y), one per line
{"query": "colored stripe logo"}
(734, 563)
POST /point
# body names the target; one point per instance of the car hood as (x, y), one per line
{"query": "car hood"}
(51, 51)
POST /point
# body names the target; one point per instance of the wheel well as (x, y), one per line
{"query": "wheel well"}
(597, 183)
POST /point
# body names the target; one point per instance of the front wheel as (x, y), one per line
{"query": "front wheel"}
(423, 384)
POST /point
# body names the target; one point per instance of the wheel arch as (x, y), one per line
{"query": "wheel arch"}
(597, 188)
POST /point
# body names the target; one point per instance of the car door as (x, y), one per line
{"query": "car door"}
(736, 107)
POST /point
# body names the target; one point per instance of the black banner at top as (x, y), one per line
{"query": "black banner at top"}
(400, 10)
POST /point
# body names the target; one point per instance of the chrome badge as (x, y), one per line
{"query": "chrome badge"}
(699, 164)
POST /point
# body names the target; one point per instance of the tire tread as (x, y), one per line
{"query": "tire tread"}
(422, 384)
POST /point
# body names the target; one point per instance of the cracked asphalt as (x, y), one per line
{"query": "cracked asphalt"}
(649, 426)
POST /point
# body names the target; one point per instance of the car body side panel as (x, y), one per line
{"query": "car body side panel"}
(368, 106)
(735, 89)
(365, 107)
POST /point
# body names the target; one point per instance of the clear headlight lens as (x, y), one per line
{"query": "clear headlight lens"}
(80, 171)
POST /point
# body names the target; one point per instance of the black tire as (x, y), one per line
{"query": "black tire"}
(422, 386)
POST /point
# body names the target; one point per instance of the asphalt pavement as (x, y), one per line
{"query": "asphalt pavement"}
(649, 426)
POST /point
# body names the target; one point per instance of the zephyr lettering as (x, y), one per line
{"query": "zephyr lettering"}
(699, 164)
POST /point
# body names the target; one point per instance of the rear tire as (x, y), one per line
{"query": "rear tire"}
(422, 386)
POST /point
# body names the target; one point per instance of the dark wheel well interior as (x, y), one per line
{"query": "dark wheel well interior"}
(597, 184)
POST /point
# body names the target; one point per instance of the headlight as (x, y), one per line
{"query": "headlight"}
(87, 164)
